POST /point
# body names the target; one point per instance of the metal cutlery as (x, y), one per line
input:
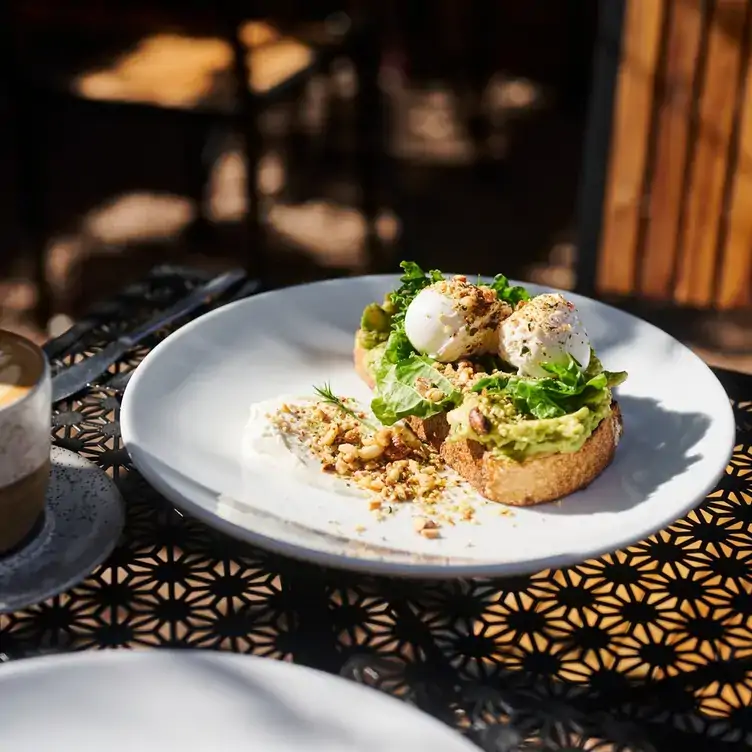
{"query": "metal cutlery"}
(103, 312)
(55, 348)
(120, 380)
(75, 378)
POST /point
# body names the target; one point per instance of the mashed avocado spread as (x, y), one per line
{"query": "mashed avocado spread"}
(374, 326)
(515, 436)
(373, 354)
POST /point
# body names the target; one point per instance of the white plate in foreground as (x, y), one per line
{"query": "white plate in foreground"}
(186, 408)
(201, 701)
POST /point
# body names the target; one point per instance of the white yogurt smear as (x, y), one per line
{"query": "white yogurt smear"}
(266, 446)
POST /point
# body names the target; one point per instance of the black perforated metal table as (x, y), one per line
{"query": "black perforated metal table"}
(649, 648)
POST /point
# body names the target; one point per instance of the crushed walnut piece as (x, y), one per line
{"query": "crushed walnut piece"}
(426, 528)
(391, 462)
(463, 374)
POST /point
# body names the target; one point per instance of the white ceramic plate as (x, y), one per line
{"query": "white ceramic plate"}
(184, 413)
(195, 701)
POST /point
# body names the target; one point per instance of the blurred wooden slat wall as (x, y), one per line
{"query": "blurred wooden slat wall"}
(677, 217)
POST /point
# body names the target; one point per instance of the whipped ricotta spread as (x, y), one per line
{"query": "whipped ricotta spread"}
(266, 446)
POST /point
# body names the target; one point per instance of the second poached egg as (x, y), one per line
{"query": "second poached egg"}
(547, 329)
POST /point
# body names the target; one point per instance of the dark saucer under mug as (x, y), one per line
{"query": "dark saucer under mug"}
(30, 537)
(82, 521)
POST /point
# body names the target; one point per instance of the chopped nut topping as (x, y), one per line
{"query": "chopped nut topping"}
(435, 395)
(462, 374)
(479, 301)
(426, 528)
(392, 463)
(479, 422)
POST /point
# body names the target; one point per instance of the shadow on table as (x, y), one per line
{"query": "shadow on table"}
(646, 459)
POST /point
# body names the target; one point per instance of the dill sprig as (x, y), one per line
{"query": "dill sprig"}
(328, 396)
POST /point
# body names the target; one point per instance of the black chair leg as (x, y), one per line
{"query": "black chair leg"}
(328, 143)
(31, 152)
(247, 123)
(483, 22)
(29, 137)
(198, 161)
(256, 260)
(300, 168)
(370, 137)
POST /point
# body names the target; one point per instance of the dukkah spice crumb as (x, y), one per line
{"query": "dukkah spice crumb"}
(391, 462)
(464, 374)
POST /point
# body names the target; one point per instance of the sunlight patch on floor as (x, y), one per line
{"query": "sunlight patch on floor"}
(138, 216)
(181, 71)
(226, 201)
(428, 126)
(18, 297)
(332, 234)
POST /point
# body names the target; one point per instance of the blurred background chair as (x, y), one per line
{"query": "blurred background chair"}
(192, 73)
(479, 131)
(666, 229)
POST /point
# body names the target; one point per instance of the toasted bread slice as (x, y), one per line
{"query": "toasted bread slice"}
(533, 481)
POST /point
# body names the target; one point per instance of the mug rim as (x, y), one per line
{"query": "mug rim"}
(44, 376)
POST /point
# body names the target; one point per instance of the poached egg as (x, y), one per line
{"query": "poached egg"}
(453, 319)
(547, 329)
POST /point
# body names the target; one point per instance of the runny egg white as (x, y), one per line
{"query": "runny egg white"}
(437, 325)
(547, 329)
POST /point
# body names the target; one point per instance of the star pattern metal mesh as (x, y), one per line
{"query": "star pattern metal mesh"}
(646, 647)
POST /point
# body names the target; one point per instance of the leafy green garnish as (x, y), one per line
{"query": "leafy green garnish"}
(512, 294)
(398, 347)
(328, 396)
(570, 374)
(398, 394)
(565, 391)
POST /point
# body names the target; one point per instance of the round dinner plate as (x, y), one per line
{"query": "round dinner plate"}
(201, 701)
(185, 411)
